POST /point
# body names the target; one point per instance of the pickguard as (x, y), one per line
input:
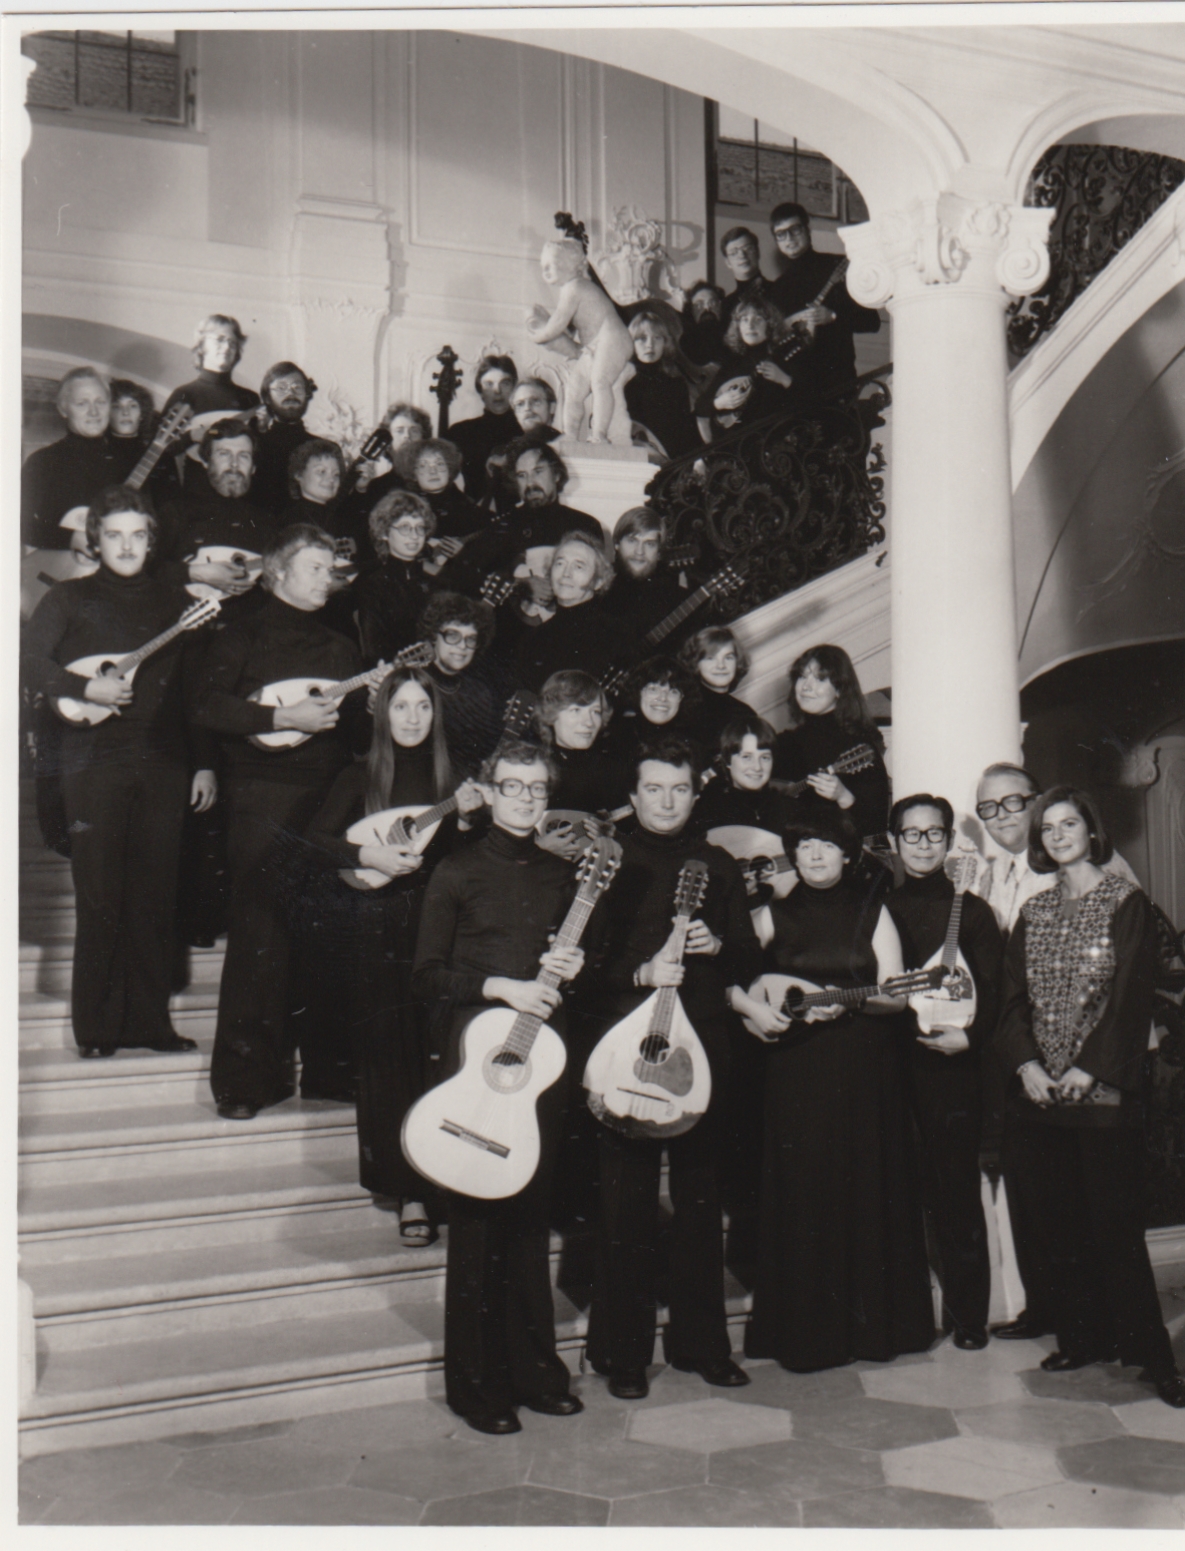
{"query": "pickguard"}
(676, 1074)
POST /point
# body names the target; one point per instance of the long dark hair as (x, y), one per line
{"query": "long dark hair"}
(851, 708)
(380, 762)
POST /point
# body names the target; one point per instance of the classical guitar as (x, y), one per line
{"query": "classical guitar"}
(862, 757)
(478, 1133)
(414, 825)
(289, 692)
(649, 1074)
(952, 1003)
(794, 998)
(445, 385)
(802, 336)
(104, 665)
(41, 568)
(728, 580)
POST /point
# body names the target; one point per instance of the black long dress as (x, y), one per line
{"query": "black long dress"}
(373, 937)
(842, 1270)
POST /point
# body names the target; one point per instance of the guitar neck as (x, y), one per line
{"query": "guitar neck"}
(346, 687)
(950, 948)
(526, 1026)
(833, 280)
(434, 815)
(848, 998)
(152, 456)
(676, 617)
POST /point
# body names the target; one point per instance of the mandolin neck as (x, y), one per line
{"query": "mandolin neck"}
(434, 815)
(142, 653)
(664, 1008)
(950, 948)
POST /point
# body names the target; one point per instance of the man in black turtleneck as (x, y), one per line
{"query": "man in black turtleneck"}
(287, 392)
(945, 1082)
(125, 780)
(71, 471)
(580, 635)
(270, 790)
(495, 381)
(645, 591)
(217, 350)
(489, 913)
(628, 941)
(218, 509)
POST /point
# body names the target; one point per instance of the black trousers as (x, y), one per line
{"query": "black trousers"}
(624, 1315)
(125, 822)
(499, 1317)
(947, 1106)
(253, 1043)
(1082, 1188)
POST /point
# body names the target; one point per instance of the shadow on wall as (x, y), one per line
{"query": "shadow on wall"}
(158, 363)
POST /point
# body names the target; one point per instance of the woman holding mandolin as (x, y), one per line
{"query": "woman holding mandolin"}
(374, 929)
(842, 1270)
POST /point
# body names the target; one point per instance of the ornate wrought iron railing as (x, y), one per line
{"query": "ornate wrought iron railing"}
(796, 495)
(1102, 194)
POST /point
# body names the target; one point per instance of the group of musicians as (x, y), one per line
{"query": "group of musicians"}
(355, 668)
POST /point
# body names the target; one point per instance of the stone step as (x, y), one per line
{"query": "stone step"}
(157, 1213)
(53, 1079)
(44, 1018)
(45, 965)
(62, 1146)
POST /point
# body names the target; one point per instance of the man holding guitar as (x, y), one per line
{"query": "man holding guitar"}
(813, 298)
(944, 1077)
(488, 916)
(631, 946)
(126, 776)
(268, 788)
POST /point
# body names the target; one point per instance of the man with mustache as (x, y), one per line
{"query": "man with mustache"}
(220, 510)
(287, 392)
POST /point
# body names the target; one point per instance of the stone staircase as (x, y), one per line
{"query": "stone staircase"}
(190, 1273)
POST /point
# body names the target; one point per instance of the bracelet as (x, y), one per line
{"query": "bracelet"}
(638, 978)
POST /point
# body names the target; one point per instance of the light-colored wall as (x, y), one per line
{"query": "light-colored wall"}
(357, 199)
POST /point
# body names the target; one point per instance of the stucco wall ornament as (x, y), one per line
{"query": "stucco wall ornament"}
(634, 263)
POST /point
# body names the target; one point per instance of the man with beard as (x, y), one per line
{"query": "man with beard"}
(644, 591)
(218, 511)
(72, 470)
(533, 403)
(286, 391)
(495, 381)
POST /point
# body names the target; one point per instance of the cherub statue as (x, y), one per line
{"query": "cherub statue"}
(586, 317)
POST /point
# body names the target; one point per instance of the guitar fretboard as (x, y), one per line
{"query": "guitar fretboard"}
(526, 1026)
(676, 617)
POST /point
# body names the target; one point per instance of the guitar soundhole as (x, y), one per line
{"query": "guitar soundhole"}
(655, 1049)
(506, 1071)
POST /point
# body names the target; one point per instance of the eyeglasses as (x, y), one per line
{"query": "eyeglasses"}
(1015, 802)
(794, 229)
(513, 787)
(914, 837)
(411, 529)
(458, 637)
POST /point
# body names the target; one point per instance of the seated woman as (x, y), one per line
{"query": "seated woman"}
(133, 420)
(1079, 979)
(580, 634)
(430, 468)
(316, 479)
(658, 396)
(660, 700)
(741, 793)
(828, 717)
(719, 663)
(391, 595)
(373, 930)
(750, 341)
(842, 1271)
(571, 716)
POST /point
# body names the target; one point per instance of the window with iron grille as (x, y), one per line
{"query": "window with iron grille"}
(142, 75)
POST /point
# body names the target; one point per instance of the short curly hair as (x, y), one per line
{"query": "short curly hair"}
(302, 456)
(410, 411)
(454, 608)
(394, 505)
(409, 455)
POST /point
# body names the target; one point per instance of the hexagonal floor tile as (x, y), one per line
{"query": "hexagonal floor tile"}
(519, 1505)
(260, 1468)
(613, 1469)
(1043, 1422)
(983, 1468)
(1136, 1464)
(810, 1467)
(1071, 1505)
(1106, 1383)
(707, 1426)
(446, 1467)
(1153, 1419)
(896, 1507)
(708, 1507)
(331, 1505)
(874, 1424)
(948, 1383)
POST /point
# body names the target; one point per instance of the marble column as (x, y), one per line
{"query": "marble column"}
(946, 268)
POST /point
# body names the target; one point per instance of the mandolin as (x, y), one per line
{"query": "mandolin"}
(478, 1132)
(852, 760)
(802, 336)
(104, 665)
(649, 1074)
(952, 1003)
(794, 998)
(289, 692)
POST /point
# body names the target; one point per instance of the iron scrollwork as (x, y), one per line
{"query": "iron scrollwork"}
(1103, 194)
(797, 495)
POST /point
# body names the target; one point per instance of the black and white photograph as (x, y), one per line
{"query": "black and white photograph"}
(599, 793)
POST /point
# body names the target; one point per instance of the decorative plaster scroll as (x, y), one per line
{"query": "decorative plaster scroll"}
(634, 264)
(977, 244)
(344, 308)
(1139, 767)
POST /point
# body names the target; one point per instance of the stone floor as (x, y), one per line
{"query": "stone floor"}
(948, 1439)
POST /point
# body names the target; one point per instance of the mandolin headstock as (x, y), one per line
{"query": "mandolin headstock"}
(691, 887)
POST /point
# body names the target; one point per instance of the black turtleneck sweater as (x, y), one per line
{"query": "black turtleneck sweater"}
(714, 710)
(202, 517)
(457, 517)
(389, 599)
(278, 642)
(116, 615)
(660, 401)
(723, 803)
(269, 487)
(818, 742)
(634, 920)
(504, 542)
(212, 390)
(645, 603)
(490, 909)
(473, 706)
(476, 440)
(69, 473)
(583, 637)
(921, 908)
(590, 780)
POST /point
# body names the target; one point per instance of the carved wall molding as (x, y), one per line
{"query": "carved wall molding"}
(975, 244)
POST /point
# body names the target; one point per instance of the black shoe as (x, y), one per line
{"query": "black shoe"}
(94, 1052)
(231, 1111)
(499, 1423)
(1022, 1328)
(173, 1046)
(554, 1405)
(1067, 1362)
(970, 1340)
(631, 1385)
(725, 1374)
(1171, 1390)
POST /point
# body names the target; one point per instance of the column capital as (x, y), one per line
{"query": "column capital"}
(980, 245)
